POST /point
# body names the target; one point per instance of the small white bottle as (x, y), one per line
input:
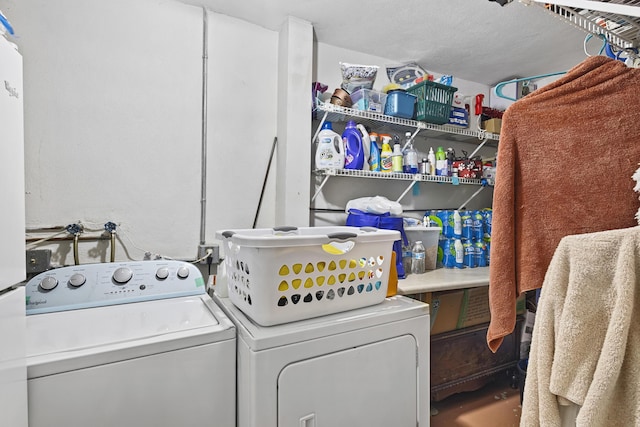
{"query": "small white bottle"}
(431, 157)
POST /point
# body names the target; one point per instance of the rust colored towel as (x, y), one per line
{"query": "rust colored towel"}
(565, 160)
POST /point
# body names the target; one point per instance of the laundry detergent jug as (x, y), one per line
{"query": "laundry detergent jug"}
(353, 148)
(329, 154)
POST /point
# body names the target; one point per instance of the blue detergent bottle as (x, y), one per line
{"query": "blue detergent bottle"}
(353, 148)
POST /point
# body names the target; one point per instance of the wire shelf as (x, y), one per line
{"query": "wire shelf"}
(396, 176)
(621, 31)
(382, 122)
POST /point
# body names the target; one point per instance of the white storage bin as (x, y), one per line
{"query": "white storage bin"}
(286, 274)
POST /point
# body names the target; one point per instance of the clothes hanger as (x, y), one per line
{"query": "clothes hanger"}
(603, 48)
(499, 86)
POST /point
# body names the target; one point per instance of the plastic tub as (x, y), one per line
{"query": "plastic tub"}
(368, 100)
(429, 237)
(400, 104)
(286, 274)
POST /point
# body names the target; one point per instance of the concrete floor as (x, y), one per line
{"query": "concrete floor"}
(494, 405)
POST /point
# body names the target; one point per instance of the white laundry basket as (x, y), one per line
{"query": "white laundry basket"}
(286, 274)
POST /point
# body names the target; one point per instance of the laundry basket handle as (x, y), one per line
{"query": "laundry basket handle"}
(285, 228)
(342, 236)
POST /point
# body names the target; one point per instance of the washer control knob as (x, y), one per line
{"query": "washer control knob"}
(48, 283)
(77, 280)
(183, 272)
(162, 273)
(122, 275)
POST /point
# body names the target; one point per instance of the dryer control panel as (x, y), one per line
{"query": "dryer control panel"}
(96, 285)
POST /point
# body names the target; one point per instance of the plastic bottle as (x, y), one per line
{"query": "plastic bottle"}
(374, 153)
(386, 161)
(441, 162)
(353, 151)
(396, 158)
(457, 224)
(431, 157)
(418, 258)
(407, 258)
(329, 154)
(411, 160)
(366, 145)
(451, 156)
(459, 248)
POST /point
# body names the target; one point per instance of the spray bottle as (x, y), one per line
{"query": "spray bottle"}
(386, 161)
(374, 153)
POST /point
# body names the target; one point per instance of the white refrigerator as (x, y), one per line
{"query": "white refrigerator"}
(13, 371)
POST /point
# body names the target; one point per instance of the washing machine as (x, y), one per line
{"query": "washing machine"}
(128, 344)
(363, 367)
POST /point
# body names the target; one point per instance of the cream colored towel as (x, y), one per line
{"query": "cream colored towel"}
(586, 339)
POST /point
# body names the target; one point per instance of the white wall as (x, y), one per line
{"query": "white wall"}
(243, 66)
(113, 117)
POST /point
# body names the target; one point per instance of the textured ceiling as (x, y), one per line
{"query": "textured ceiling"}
(475, 40)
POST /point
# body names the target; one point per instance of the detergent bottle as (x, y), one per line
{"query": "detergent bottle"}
(374, 154)
(396, 159)
(353, 151)
(366, 145)
(386, 160)
(329, 154)
(441, 162)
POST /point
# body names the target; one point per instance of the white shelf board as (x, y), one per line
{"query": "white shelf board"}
(444, 279)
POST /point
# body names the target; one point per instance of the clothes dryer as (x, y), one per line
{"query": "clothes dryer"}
(128, 344)
(363, 367)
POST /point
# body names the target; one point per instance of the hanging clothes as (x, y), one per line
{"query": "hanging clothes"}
(565, 160)
(585, 349)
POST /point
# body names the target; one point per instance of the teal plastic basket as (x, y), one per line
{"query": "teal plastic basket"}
(434, 101)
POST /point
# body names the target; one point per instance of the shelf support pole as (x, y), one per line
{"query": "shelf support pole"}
(324, 181)
(462, 206)
(416, 178)
(324, 118)
(478, 148)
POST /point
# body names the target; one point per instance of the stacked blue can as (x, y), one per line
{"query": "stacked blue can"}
(472, 230)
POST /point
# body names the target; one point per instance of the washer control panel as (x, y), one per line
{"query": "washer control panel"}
(96, 285)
